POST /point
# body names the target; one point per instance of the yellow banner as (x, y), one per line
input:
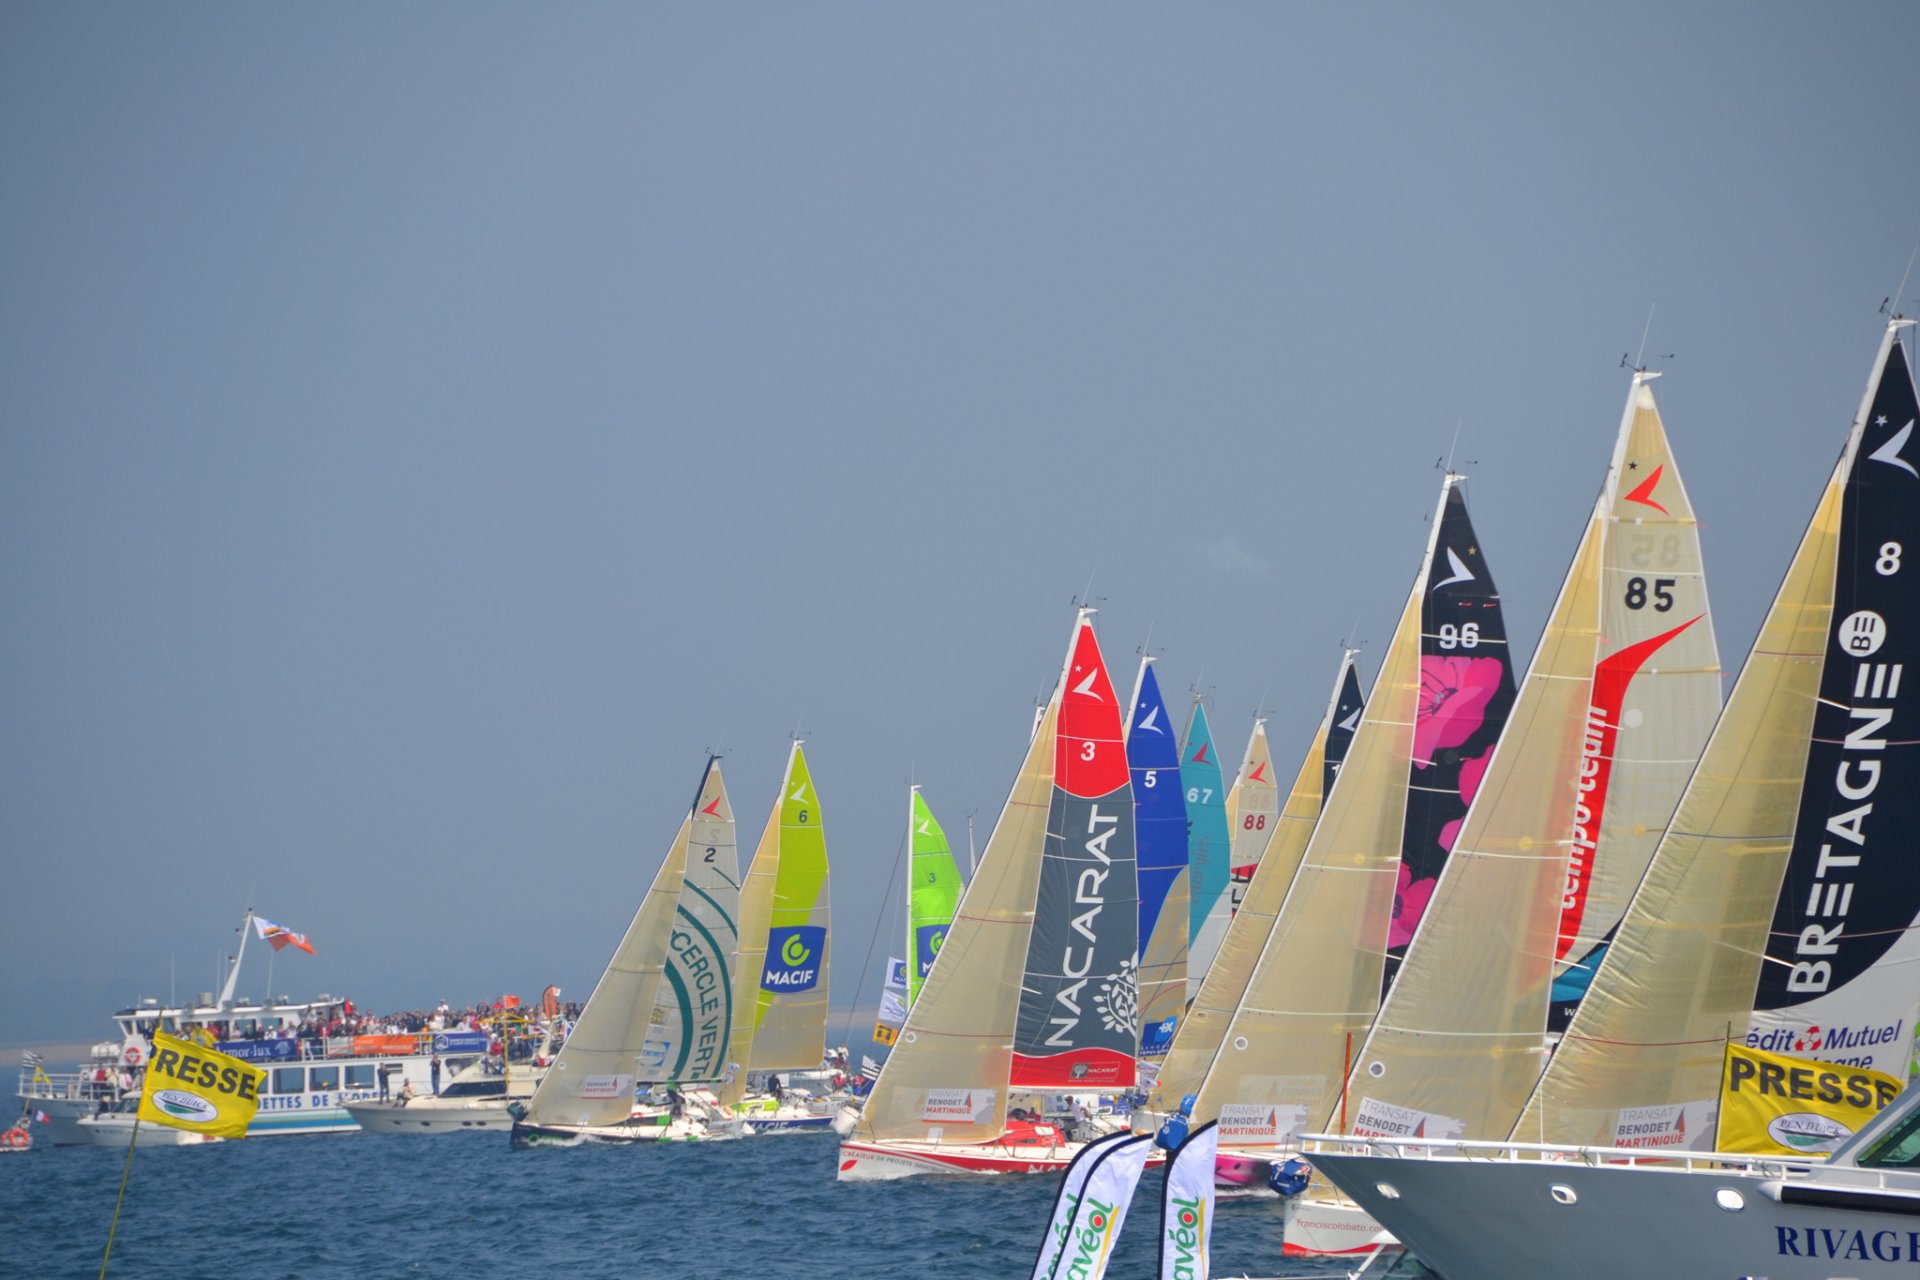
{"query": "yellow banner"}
(883, 1033)
(1774, 1104)
(192, 1087)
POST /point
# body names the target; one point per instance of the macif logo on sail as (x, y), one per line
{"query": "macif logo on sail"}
(793, 958)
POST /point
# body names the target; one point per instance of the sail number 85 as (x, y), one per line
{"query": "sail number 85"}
(1465, 636)
(1662, 594)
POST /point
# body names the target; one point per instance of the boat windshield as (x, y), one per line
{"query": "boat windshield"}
(1898, 1148)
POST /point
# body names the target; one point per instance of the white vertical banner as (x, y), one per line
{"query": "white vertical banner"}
(1072, 1183)
(1186, 1206)
(1095, 1225)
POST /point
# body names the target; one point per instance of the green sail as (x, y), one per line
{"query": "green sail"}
(933, 892)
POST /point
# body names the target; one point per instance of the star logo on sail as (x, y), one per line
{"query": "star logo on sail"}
(1889, 452)
(1147, 725)
(1458, 568)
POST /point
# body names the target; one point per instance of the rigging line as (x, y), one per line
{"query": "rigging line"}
(860, 985)
(1640, 357)
(1903, 279)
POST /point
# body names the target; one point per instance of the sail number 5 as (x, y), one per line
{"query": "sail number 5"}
(1662, 594)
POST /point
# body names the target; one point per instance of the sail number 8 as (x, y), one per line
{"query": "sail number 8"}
(1466, 636)
(1889, 562)
(1662, 594)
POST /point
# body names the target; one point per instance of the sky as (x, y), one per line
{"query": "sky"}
(426, 431)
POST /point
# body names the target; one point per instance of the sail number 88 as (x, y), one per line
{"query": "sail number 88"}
(1662, 594)
(1465, 636)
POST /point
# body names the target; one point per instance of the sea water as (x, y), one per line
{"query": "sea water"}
(467, 1206)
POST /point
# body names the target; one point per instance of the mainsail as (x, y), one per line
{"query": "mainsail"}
(1318, 979)
(635, 1026)
(933, 890)
(1785, 871)
(1205, 1025)
(1160, 834)
(1209, 847)
(1079, 998)
(1466, 690)
(1253, 812)
(1613, 712)
(784, 936)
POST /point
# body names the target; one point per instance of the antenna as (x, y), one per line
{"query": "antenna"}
(795, 735)
(1639, 359)
(1147, 644)
(1348, 641)
(1085, 599)
(1897, 293)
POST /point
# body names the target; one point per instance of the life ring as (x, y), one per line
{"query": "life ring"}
(132, 1055)
(15, 1138)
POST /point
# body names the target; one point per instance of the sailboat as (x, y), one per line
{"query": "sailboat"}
(1440, 703)
(1200, 1035)
(1034, 992)
(785, 938)
(1160, 835)
(663, 1009)
(1782, 893)
(933, 891)
(1611, 717)
(1209, 847)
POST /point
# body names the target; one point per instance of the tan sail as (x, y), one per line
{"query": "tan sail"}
(1644, 1049)
(593, 1076)
(1682, 970)
(1204, 1027)
(1318, 977)
(958, 1037)
(1253, 811)
(1613, 711)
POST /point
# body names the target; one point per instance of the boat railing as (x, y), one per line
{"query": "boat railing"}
(66, 1084)
(1458, 1149)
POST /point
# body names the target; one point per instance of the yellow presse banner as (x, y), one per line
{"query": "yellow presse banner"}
(192, 1087)
(1774, 1104)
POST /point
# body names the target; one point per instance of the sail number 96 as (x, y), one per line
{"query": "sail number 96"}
(1662, 594)
(1466, 636)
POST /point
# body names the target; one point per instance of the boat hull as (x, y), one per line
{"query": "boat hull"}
(1508, 1220)
(884, 1161)
(428, 1115)
(1319, 1226)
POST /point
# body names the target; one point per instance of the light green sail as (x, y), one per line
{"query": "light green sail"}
(783, 937)
(933, 892)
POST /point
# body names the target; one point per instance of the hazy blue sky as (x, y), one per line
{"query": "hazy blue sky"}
(426, 429)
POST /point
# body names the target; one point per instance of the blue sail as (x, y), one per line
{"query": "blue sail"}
(1160, 841)
(1209, 847)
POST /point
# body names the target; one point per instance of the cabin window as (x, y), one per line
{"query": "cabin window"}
(1898, 1149)
(289, 1079)
(324, 1078)
(360, 1077)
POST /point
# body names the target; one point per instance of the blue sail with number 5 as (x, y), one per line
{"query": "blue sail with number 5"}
(1160, 838)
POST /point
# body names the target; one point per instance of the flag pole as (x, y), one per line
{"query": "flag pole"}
(132, 1140)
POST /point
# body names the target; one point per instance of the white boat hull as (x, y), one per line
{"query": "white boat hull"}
(432, 1115)
(115, 1129)
(1323, 1226)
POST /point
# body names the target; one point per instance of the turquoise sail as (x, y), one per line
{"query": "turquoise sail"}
(1209, 848)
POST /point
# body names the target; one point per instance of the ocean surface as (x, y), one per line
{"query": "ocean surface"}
(466, 1205)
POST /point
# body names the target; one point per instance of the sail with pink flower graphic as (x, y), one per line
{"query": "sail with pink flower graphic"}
(1466, 691)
